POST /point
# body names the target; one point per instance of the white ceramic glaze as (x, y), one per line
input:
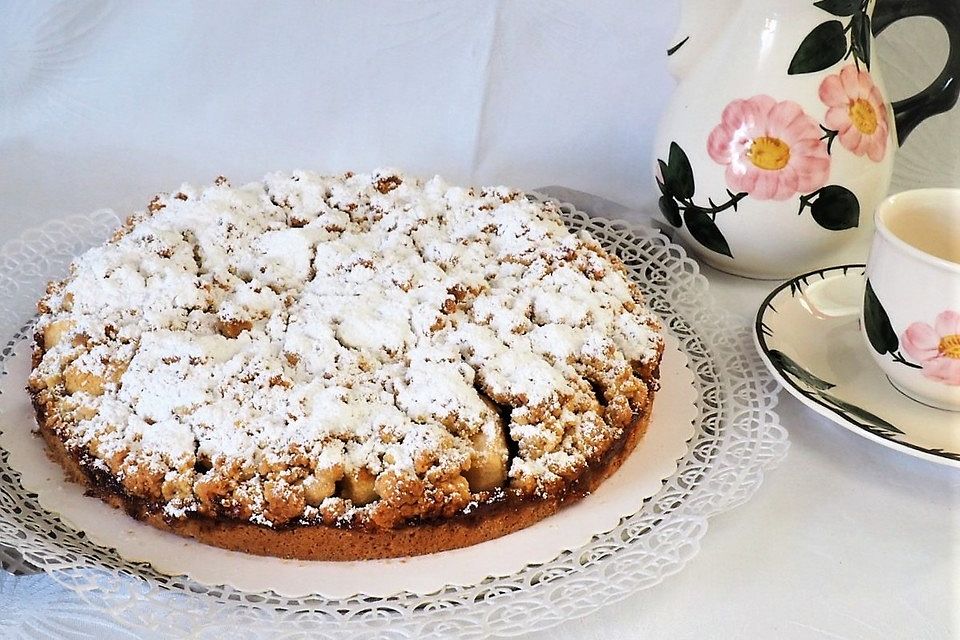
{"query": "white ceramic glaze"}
(911, 310)
(808, 334)
(738, 50)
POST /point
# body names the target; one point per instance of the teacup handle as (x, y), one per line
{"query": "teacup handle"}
(943, 92)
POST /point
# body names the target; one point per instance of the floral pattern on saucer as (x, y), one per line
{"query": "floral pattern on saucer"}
(808, 334)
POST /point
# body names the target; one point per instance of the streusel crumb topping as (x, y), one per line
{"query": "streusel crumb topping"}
(350, 348)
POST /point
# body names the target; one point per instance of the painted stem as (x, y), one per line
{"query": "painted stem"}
(898, 357)
(829, 135)
(714, 208)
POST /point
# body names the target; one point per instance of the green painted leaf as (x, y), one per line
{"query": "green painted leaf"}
(863, 417)
(660, 185)
(860, 38)
(877, 325)
(662, 179)
(839, 7)
(836, 208)
(785, 363)
(670, 210)
(705, 231)
(823, 47)
(679, 176)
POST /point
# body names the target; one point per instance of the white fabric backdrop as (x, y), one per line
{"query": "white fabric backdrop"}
(104, 102)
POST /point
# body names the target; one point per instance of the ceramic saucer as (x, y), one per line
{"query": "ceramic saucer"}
(807, 333)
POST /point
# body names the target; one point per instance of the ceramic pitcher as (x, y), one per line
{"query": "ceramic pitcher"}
(778, 142)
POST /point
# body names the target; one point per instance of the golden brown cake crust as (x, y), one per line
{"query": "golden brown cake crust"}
(322, 542)
(344, 367)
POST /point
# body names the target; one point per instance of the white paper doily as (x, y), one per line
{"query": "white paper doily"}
(623, 494)
(737, 438)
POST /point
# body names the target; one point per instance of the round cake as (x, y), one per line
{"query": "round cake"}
(344, 367)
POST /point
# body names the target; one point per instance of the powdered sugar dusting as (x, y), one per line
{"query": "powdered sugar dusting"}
(297, 348)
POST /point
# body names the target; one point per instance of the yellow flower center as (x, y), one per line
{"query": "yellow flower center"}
(863, 116)
(950, 346)
(767, 152)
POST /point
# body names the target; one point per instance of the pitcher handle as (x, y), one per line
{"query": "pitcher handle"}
(943, 92)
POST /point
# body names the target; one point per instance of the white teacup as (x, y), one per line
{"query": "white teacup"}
(911, 307)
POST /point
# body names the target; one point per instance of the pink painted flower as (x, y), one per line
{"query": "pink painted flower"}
(857, 111)
(772, 149)
(936, 348)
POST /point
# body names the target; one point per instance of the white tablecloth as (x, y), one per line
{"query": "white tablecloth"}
(102, 104)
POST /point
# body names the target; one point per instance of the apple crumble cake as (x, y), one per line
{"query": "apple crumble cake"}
(344, 367)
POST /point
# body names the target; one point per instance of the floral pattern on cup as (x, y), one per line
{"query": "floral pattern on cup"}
(937, 347)
(772, 150)
(856, 113)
